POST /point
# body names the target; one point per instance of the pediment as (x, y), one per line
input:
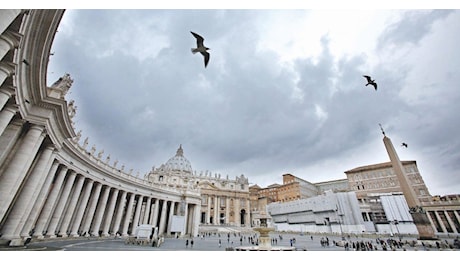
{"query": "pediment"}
(208, 186)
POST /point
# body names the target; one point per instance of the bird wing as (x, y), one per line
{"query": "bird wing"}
(199, 39)
(206, 58)
(368, 78)
(375, 85)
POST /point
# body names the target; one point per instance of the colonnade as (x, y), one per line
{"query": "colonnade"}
(48, 187)
(222, 209)
(445, 221)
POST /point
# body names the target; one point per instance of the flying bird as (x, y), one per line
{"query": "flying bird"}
(404, 144)
(201, 48)
(370, 81)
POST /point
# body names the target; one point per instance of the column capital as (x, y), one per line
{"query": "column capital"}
(11, 37)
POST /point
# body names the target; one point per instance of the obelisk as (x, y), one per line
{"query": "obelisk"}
(421, 221)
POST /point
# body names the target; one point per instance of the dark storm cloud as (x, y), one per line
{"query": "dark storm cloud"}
(141, 93)
(411, 28)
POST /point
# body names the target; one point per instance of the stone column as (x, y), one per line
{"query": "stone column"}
(109, 214)
(208, 211)
(227, 211)
(237, 212)
(248, 214)
(129, 212)
(155, 213)
(6, 92)
(196, 209)
(216, 210)
(81, 208)
(164, 208)
(439, 219)
(419, 215)
(8, 41)
(451, 221)
(6, 70)
(9, 138)
(91, 210)
(26, 199)
(137, 214)
(6, 115)
(71, 206)
(39, 203)
(7, 16)
(52, 228)
(187, 222)
(119, 214)
(147, 211)
(50, 202)
(101, 208)
(13, 176)
(171, 214)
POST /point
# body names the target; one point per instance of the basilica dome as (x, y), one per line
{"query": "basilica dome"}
(178, 163)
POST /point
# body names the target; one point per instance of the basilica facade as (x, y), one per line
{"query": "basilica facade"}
(225, 202)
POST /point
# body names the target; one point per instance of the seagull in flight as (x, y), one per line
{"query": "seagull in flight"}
(370, 81)
(201, 48)
(404, 144)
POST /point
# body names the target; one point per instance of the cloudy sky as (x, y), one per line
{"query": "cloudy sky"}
(284, 90)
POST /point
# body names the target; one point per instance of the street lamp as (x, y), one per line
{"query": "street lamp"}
(340, 214)
(396, 222)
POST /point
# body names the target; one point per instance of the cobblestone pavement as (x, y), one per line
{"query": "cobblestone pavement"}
(227, 243)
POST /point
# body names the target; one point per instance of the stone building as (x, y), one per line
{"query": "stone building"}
(381, 178)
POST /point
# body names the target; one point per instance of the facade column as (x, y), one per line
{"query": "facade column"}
(9, 138)
(6, 92)
(26, 199)
(248, 214)
(6, 70)
(52, 228)
(227, 211)
(147, 211)
(35, 211)
(129, 212)
(91, 210)
(50, 202)
(171, 214)
(237, 212)
(216, 210)
(8, 41)
(155, 213)
(208, 211)
(7, 16)
(450, 221)
(81, 208)
(6, 115)
(161, 229)
(119, 214)
(137, 214)
(17, 169)
(187, 220)
(109, 214)
(196, 209)
(71, 207)
(444, 229)
(101, 208)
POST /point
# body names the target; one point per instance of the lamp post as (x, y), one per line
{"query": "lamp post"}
(396, 222)
(340, 223)
(340, 214)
